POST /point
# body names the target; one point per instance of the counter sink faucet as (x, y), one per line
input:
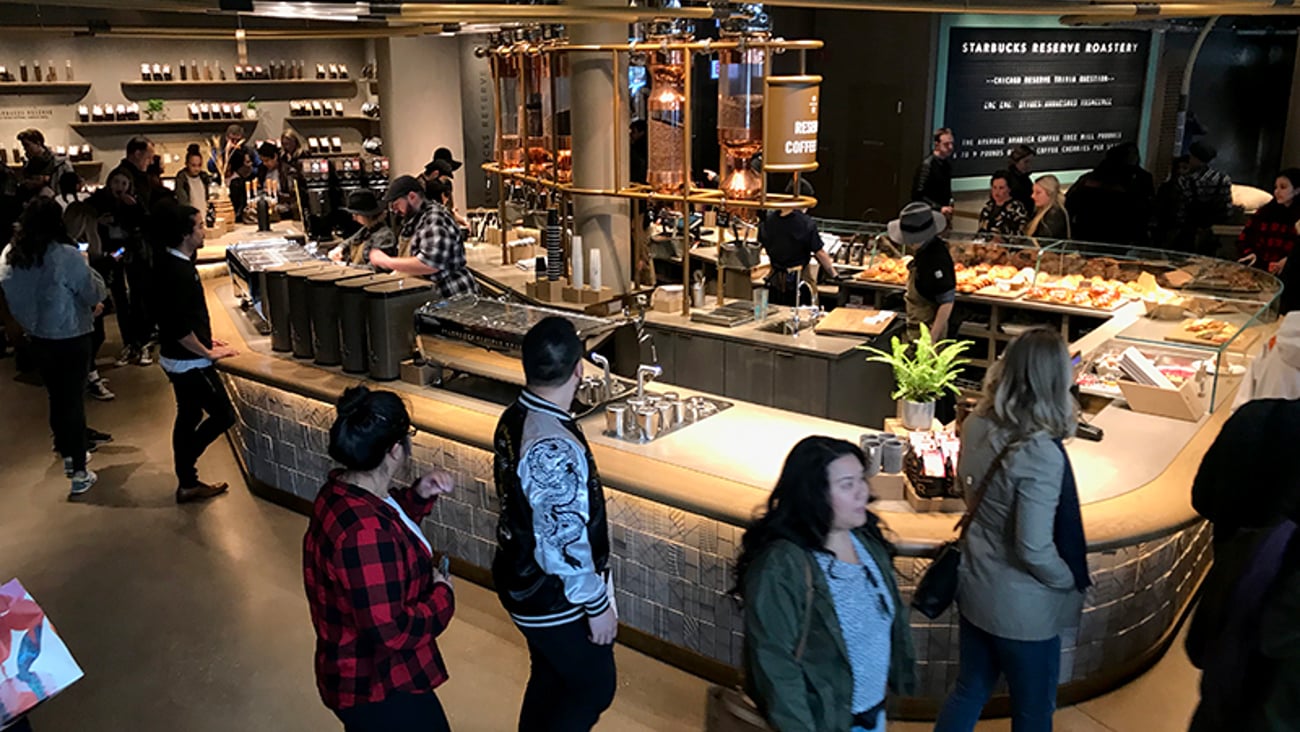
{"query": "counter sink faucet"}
(607, 384)
(646, 374)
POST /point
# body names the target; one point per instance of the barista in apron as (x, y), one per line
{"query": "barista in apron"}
(931, 278)
(791, 239)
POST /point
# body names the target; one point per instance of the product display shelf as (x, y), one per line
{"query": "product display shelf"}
(347, 120)
(47, 88)
(79, 165)
(241, 90)
(161, 126)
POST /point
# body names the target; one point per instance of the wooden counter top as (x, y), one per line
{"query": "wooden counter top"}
(722, 468)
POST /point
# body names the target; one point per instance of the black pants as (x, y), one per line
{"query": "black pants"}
(397, 713)
(572, 680)
(122, 305)
(63, 365)
(198, 392)
(97, 338)
(139, 278)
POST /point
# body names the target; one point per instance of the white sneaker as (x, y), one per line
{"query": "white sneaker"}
(82, 481)
(128, 356)
(67, 465)
(146, 357)
(99, 390)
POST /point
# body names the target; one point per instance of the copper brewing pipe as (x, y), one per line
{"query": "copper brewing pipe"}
(699, 46)
(1107, 10)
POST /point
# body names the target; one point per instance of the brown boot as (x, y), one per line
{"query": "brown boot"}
(200, 492)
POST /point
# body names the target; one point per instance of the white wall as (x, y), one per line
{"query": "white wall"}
(419, 79)
(106, 62)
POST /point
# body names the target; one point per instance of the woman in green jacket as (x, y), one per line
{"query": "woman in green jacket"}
(824, 665)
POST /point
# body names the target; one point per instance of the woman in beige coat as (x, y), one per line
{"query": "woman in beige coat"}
(1024, 557)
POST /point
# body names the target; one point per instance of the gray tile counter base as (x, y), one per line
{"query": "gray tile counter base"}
(672, 568)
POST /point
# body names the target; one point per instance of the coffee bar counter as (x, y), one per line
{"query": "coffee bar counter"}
(677, 505)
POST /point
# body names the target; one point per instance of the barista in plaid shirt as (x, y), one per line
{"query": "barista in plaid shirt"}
(431, 236)
(377, 599)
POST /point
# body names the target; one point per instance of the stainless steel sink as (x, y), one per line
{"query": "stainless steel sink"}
(657, 415)
(783, 322)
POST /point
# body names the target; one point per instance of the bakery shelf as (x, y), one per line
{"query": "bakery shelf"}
(241, 91)
(46, 88)
(160, 126)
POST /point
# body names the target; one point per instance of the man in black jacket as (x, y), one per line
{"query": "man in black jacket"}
(188, 350)
(139, 154)
(933, 181)
(552, 560)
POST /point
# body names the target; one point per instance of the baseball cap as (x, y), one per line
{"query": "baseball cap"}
(402, 187)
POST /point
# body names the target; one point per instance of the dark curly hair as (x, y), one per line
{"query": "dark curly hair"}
(799, 509)
(39, 227)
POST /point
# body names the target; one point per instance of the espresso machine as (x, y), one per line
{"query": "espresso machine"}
(319, 206)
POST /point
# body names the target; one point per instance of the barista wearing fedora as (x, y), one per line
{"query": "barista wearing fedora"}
(443, 165)
(368, 211)
(931, 278)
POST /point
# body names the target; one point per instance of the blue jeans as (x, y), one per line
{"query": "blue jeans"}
(1032, 668)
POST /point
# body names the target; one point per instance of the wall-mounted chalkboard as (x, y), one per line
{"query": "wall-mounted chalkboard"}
(1070, 94)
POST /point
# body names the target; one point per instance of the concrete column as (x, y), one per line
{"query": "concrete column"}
(419, 86)
(603, 222)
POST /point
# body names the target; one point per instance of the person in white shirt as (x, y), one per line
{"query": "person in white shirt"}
(193, 181)
(1276, 373)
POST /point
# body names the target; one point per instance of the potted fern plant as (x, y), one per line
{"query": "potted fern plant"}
(923, 372)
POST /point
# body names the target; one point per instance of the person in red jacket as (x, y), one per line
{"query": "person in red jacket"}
(378, 601)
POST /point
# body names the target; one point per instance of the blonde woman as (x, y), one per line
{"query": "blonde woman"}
(1050, 218)
(1024, 557)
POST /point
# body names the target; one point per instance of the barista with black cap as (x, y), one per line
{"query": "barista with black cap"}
(430, 244)
(791, 239)
(931, 277)
(368, 211)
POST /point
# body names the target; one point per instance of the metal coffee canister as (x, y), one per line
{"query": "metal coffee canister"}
(616, 420)
(647, 422)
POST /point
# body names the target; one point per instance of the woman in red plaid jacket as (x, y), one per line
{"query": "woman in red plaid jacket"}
(1267, 239)
(378, 602)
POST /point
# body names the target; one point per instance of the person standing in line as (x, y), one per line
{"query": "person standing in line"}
(817, 539)
(1019, 166)
(1024, 565)
(431, 235)
(552, 560)
(192, 181)
(139, 154)
(121, 220)
(189, 351)
(931, 276)
(1051, 220)
(378, 600)
(1270, 235)
(932, 183)
(1003, 216)
(43, 169)
(1204, 199)
(53, 295)
(82, 222)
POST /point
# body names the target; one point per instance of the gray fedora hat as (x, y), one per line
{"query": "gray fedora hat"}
(917, 223)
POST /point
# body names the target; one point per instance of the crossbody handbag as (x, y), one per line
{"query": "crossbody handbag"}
(937, 589)
(730, 710)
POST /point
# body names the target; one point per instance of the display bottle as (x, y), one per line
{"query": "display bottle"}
(537, 107)
(510, 149)
(36, 70)
(666, 109)
(194, 70)
(51, 74)
(740, 120)
(22, 70)
(221, 73)
(67, 70)
(184, 72)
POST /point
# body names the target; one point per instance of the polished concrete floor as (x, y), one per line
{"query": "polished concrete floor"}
(192, 618)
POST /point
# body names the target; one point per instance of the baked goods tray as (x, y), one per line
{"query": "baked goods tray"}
(501, 326)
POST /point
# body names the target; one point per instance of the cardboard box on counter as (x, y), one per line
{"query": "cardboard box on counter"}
(1181, 403)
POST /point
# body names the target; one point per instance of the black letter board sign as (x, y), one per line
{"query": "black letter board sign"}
(1070, 94)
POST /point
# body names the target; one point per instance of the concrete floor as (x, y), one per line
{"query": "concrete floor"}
(193, 618)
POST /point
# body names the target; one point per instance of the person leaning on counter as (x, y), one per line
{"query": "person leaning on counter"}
(429, 240)
(791, 239)
(374, 233)
(931, 278)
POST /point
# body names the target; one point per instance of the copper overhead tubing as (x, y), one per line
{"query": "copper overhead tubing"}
(1081, 11)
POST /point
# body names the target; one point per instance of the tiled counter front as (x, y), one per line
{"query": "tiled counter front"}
(672, 568)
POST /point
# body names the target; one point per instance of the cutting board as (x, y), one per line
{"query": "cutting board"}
(855, 322)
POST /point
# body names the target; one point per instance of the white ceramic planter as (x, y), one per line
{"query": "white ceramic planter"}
(916, 416)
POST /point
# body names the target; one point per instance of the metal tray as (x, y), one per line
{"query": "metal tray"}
(501, 326)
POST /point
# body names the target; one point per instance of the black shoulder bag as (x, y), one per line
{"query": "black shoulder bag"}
(938, 587)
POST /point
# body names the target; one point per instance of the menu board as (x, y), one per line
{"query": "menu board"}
(1069, 94)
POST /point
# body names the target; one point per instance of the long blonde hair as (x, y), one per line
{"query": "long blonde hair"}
(1052, 185)
(82, 221)
(1028, 389)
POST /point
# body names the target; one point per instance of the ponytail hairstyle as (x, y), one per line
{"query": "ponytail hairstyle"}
(368, 425)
